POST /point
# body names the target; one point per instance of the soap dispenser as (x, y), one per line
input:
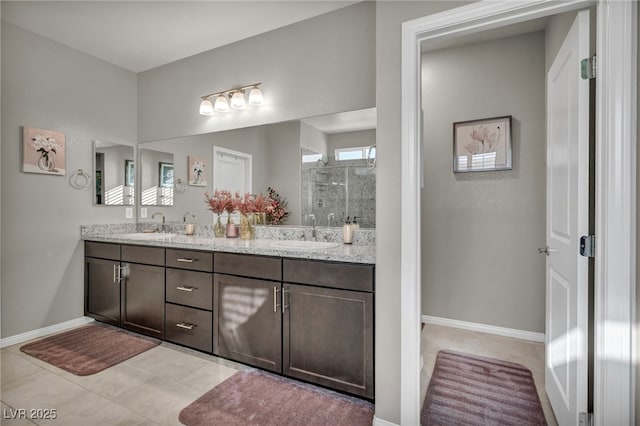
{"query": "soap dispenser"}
(355, 225)
(189, 228)
(347, 232)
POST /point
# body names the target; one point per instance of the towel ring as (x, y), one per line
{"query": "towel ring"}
(80, 179)
(179, 186)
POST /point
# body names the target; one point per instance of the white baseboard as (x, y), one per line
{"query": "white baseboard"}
(377, 421)
(41, 332)
(483, 328)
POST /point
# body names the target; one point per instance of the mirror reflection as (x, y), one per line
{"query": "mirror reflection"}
(156, 178)
(114, 174)
(322, 166)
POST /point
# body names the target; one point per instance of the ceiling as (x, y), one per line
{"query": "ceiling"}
(140, 35)
(349, 121)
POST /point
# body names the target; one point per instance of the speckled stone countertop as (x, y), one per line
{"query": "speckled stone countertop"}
(354, 253)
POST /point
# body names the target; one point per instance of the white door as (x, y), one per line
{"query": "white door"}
(231, 170)
(567, 219)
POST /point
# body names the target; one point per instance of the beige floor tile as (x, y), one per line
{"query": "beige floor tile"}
(166, 363)
(207, 377)
(40, 390)
(159, 400)
(14, 367)
(92, 409)
(530, 354)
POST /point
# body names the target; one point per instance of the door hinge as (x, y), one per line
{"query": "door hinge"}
(589, 68)
(588, 245)
(585, 419)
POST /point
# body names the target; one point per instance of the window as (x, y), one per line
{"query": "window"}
(355, 153)
(311, 158)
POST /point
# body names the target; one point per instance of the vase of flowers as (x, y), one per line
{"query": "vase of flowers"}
(260, 207)
(46, 146)
(276, 208)
(217, 205)
(246, 207)
(198, 169)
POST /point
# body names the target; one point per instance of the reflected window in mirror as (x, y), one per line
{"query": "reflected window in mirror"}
(110, 165)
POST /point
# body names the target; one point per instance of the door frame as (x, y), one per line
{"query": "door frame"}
(615, 281)
(248, 158)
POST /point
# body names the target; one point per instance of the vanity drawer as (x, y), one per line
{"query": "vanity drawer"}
(190, 288)
(188, 326)
(190, 259)
(145, 255)
(347, 276)
(102, 250)
(248, 265)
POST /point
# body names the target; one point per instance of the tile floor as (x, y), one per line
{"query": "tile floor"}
(148, 389)
(529, 354)
(152, 388)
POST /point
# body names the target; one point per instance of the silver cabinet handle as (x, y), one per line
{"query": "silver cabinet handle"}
(117, 273)
(285, 291)
(275, 298)
(183, 288)
(185, 260)
(114, 273)
(185, 325)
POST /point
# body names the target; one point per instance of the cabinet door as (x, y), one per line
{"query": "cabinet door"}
(248, 321)
(102, 290)
(143, 299)
(328, 337)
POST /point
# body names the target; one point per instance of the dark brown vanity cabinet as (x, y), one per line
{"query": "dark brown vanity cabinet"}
(189, 299)
(124, 286)
(247, 317)
(102, 286)
(328, 332)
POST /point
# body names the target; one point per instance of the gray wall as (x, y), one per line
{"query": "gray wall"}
(284, 162)
(389, 18)
(313, 139)
(48, 85)
(322, 65)
(638, 241)
(480, 231)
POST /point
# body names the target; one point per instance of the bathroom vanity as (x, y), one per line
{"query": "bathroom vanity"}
(304, 314)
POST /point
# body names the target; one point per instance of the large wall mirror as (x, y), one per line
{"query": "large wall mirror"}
(114, 174)
(323, 166)
(156, 177)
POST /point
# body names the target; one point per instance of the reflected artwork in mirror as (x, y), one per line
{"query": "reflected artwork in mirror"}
(336, 148)
(114, 174)
(156, 178)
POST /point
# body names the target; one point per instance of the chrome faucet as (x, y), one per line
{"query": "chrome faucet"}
(329, 217)
(153, 216)
(313, 231)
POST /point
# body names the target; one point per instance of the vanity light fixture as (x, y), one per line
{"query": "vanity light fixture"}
(232, 97)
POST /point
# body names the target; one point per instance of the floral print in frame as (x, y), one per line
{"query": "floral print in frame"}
(482, 145)
(197, 171)
(43, 151)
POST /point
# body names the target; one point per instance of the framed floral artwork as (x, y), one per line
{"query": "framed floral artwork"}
(43, 151)
(482, 145)
(197, 171)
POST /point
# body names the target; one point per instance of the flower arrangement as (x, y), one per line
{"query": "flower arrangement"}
(246, 204)
(46, 146)
(276, 208)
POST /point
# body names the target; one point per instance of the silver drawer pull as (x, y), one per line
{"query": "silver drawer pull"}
(185, 260)
(185, 325)
(189, 289)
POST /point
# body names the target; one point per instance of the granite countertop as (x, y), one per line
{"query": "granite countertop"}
(340, 253)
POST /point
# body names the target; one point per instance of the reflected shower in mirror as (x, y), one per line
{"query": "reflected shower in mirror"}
(156, 178)
(114, 174)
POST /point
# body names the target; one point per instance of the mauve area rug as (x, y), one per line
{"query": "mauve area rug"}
(473, 390)
(257, 398)
(90, 349)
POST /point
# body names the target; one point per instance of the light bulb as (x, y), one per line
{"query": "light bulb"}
(255, 96)
(221, 105)
(237, 100)
(206, 108)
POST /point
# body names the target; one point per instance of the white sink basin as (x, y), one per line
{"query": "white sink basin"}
(302, 245)
(148, 236)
